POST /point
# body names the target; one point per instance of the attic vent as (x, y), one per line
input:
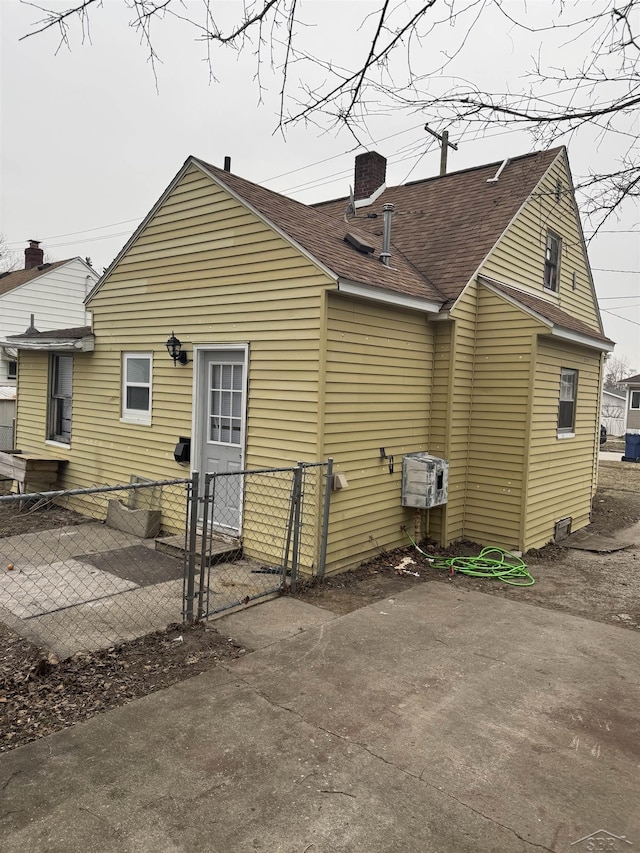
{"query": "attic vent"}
(359, 243)
(43, 266)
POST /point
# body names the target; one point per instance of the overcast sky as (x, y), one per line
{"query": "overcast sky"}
(88, 145)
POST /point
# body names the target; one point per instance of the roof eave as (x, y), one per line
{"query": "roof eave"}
(554, 329)
(389, 297)
(583, 340)
(85, 344)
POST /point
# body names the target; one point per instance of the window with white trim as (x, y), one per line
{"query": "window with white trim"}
(567, 406)
(136, 386)
(635, 399)
(60, 393)
(552, 261)
(12, 369)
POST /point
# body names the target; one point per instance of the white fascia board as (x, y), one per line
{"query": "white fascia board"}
(287, 237)
(583, 340)
(389, 297)
(365, 202)
(58, 344)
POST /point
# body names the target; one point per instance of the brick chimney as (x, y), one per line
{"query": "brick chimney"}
(371, 173)
(33, 255)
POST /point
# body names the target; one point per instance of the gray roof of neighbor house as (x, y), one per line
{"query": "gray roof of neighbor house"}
(446, 226)
(54, 334)
(630, 379)
(11, 280)
(322, 236)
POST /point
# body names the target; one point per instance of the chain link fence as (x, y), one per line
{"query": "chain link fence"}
(284, 517)
(85, 569)
(6, 436)
(95, 578)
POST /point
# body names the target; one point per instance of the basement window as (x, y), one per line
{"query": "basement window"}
(60, 390)
(567, 406)
(136, 387)
(552, 262)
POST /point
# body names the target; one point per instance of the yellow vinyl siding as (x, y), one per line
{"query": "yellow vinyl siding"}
(518, 258)
(208, 269)
(561, 471)
(32, 402)
(378, 377)
(461, 379)
(500, 408)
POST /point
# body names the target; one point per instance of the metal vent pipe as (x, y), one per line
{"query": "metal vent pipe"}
(385, 254)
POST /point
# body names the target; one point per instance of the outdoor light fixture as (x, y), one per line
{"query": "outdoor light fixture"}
(174, 348)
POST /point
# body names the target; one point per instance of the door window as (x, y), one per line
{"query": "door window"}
(225, 403)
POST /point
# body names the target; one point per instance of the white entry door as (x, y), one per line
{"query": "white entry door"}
(222, 384)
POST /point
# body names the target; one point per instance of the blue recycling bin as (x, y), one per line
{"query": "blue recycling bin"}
(632, 446)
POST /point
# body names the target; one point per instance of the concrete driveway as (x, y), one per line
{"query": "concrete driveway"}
(441, 720)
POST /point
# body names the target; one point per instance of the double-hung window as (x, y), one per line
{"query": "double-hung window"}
(635, 400)
(552, 261)
(567, 406)
(136, 387)
(60, 387)
(12, 369)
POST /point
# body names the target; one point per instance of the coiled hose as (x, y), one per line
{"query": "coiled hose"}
(490, 563)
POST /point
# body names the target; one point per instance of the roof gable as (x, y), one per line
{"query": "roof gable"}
(9, 281)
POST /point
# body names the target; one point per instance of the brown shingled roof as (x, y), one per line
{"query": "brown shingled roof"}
(547, 310)
(322, 236)
(446, 226)
(9, 281)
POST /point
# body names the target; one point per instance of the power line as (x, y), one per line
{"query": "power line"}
(602, 269)
(602, 298)
(635, 322)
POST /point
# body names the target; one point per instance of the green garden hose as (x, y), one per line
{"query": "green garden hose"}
(490, 563)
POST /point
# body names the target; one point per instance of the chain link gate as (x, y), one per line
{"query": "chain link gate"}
(285, 513)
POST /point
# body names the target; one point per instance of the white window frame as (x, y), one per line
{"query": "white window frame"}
(12, 374)
(551, 235)
(136, 416)
(55, 400)
(568, 372)
(637, 397)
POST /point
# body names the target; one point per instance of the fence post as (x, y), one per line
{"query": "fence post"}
(297, 501)
(205, 560)
(191, 560)
(324, 530)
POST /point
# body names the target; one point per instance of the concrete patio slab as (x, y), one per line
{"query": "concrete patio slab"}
(258, 627)
(441, 720)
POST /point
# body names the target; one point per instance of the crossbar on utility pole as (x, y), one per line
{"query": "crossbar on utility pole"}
(443, 139)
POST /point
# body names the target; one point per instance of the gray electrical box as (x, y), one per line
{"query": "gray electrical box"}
(425, 480)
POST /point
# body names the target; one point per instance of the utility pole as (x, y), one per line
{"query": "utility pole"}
(443, 139)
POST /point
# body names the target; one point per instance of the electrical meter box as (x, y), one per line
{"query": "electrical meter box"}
(425, 480)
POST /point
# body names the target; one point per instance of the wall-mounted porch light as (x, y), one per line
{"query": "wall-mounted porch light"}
(174, 348)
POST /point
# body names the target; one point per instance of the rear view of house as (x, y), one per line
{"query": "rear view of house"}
(454, 316)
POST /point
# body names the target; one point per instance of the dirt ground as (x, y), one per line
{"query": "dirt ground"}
(39, 695)
(603, 587)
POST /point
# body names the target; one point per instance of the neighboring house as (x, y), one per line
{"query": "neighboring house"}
(632, 402)
(613, 412)
(479, 342)
(50, 294)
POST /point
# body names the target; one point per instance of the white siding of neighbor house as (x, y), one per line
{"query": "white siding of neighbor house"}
(56, 299)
